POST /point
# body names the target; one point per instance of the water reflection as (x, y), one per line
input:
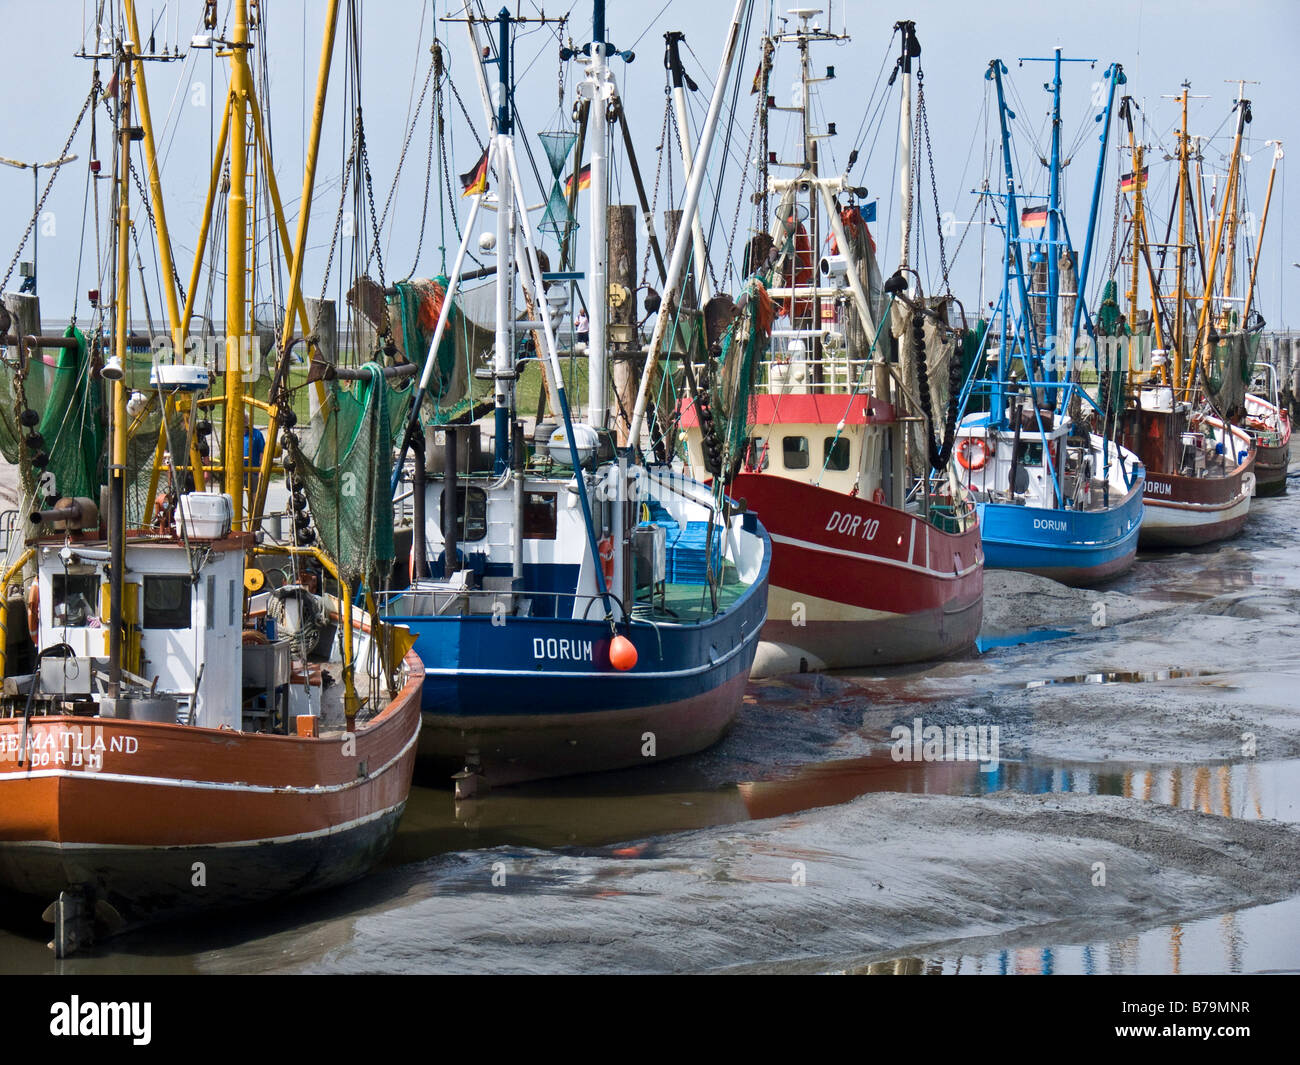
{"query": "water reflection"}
(1261, 939)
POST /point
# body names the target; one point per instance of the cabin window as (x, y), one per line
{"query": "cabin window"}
(471, 513)
(76, 600)
(166, 602)
(835, 454)
(794, 452)
(539, 515)
(1031, 454)
(756, 457)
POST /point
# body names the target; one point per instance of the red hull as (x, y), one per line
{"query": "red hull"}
(1192, 511)
(855, 583)
(124, 808)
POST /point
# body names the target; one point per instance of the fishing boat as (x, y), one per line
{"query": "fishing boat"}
(186, 724)
(1269, 424)
(1189, 357)
(577, 608)
(875, 559)
(1057, 494)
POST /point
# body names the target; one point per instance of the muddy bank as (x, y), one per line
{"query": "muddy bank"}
(885, 875)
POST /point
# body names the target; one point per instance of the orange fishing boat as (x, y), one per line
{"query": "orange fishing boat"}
(179, 730)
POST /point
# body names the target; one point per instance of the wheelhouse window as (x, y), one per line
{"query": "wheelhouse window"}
(835, 453)
(539, 515)
(471, 513)
(167, 602)
(794, 452)
(76, 600)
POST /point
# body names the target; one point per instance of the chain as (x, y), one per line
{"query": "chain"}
(434, 110)
(934, 184)
(473, 126)
(148, 210)
(94, 89)
(654, 198)
(1114, 237)
(410, 134)
(338, 219)
(740, 199)
(370, 196)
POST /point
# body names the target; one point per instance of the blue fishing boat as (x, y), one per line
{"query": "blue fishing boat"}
(1056, 494)
(576, 608)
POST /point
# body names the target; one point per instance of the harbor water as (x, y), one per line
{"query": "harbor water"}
(1127, 802)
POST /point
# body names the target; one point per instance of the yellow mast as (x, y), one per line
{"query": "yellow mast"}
(1180, 294)
(1211, 269)
(237, 339)
(1259, 242)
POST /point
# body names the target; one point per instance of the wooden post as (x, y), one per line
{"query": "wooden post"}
(25, 307)
(624, 352)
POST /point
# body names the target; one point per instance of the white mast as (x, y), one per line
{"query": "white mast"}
(599, 89)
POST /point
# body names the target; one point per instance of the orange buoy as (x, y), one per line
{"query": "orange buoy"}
(622, 653)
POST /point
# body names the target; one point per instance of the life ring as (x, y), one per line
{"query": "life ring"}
(606, 547)
(33, 609)
(976, 462)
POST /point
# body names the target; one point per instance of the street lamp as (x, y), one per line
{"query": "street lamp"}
(30, 283)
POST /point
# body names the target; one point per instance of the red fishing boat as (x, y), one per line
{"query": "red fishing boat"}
(876, 554)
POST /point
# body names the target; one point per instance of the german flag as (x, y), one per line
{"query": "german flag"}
(758, 79)
(1033, 218)
(474, 182)
(1133, 182)
(584, 180)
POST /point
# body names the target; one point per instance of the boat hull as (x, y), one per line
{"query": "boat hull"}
(1074, 547)
(1192, 511)
(855, 583)
(1271, 468)
(538, 697)
(124, 811)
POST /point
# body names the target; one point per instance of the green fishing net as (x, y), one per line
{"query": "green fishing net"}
(345, 465)
(73, 424)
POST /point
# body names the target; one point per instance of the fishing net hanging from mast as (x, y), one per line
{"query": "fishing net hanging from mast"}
(344, 466)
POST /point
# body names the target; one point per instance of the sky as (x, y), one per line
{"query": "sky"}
(1160, 43)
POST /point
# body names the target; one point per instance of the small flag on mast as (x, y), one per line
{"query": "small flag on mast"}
(758, 79)
(1133, 182)
(584, 180)
(1033, 218)
(474, 182)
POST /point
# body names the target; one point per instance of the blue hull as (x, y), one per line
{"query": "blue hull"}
(534, 697)
(1076, 547)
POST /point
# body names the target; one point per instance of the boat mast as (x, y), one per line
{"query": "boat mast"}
(237, 340)
(1180, 295)
(1116, 76)
(599, 90)
(117, 390)
(679, 79)
(677, 263)
(1203, 322)
(503, 363)
(1259, 240)
(910, 50)
(1054, 206)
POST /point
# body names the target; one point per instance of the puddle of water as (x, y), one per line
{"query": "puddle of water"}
(988, 643)
(1260, 939)
(1150, 676)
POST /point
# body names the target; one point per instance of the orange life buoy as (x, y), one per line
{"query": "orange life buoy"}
(33, 609)
(966, 460)
(606, 546)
